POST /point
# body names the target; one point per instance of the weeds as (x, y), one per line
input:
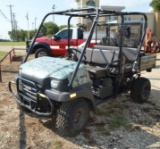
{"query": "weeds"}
(56, 145)
(103, 131)
(112, 122)
(101, 112)
(2, 54)
(118, 121)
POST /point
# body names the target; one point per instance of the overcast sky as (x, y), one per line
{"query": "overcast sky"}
(37, 9)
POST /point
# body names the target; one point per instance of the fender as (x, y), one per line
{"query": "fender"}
(84, 93)
(42, 45)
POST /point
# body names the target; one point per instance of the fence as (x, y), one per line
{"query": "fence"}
(12, 57)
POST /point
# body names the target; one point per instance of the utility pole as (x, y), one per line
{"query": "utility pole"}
(27, 17)
(14, 22)
(53, 7)
(10, 6)
(35, 23)
(16, 31)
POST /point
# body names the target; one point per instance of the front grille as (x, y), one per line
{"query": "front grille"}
(30, 96)
(29, 91)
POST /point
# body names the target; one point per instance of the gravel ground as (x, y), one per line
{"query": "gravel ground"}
(119, 123)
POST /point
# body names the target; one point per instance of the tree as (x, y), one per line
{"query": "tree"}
(50, 28)
(32, 33)
(64, 26)
(10, 33)
(20, 34)
(155, 4)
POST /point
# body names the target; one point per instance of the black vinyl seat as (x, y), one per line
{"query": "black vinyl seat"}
(98, 72)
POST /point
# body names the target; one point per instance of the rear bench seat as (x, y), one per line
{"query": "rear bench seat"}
(102, 56)
(103, 53)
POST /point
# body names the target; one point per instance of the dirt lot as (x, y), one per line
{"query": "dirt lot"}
(119, 123)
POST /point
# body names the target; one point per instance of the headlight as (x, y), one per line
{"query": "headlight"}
(54, 83)
(20, 72)
(20, 82)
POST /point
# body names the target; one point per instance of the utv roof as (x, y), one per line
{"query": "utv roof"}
(91, 12)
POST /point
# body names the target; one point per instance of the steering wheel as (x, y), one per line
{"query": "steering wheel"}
(72, 55)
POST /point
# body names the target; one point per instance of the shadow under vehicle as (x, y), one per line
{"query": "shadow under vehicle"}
(73, 85)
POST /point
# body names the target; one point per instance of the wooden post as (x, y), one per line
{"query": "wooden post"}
(0, 73)
(14, 52)
(10, 56)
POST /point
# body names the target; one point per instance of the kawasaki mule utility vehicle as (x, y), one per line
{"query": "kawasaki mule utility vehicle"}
(72, 85)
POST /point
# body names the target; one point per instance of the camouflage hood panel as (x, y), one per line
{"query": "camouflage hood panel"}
(58, 68)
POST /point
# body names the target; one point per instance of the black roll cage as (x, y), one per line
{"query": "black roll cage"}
(94, 14)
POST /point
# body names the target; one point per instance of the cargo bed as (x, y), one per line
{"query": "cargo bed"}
(147, 62)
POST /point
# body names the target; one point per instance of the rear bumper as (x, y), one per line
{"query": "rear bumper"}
(31, 99)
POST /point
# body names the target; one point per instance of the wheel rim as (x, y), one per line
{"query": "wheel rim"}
(79, 119)
(40, 54)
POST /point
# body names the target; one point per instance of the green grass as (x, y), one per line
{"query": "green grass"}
(101, 112)
(117, 121)
(113, 120)
(12, 43)
(56, 145)
(113, 123)
(2, 54)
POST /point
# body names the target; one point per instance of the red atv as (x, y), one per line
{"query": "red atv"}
(152, 46)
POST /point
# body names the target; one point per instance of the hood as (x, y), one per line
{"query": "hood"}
(48, 67)
(43, 38)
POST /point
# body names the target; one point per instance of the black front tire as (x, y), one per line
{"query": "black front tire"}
(140, 90)
(41, 52)
(72, 117)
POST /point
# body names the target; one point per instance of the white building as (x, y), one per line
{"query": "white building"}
(133, 18)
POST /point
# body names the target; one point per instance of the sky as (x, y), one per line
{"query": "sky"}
(37, 9)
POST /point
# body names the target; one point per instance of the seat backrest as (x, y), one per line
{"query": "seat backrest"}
(130, 53)
(106, 47)
(103, 54)
(87, 55)
(99, 54)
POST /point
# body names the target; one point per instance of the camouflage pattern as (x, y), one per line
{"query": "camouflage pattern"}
(56, 68)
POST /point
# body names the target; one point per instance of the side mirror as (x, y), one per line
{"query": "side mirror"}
(55, 37)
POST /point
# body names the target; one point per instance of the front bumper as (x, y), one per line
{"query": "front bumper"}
(31, 97)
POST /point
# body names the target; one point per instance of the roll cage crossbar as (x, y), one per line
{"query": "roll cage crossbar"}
(94, 14)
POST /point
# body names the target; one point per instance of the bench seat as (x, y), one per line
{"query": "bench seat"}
(102, 56)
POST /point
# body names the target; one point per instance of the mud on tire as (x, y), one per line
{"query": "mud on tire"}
(72, 117)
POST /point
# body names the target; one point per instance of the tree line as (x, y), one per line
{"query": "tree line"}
(49, 30)
(52, 28)
(155, 4)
